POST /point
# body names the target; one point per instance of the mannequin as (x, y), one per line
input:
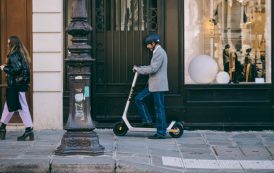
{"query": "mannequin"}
(234, 68)
(250, 72)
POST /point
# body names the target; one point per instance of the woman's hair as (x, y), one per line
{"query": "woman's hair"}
(15, 45)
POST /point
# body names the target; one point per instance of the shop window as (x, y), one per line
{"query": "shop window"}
(227, 41)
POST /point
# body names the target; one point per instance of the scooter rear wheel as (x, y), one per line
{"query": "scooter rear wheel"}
(120, 129)
(179, 130)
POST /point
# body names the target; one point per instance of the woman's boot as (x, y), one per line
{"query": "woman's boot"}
(28, 135)
(3, 131)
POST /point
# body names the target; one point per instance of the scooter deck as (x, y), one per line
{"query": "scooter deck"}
(143, 129)
(146, 129)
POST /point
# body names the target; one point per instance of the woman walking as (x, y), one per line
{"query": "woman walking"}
(18, 78)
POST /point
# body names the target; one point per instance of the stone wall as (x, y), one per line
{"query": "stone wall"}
(48, 64)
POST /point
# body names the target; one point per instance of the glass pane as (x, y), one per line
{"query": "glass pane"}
(227, 41)
(135, 15)
(129, 15)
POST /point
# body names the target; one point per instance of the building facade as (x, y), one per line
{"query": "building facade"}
(220, 58)
(39, 24)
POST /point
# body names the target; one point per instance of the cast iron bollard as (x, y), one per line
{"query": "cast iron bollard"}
(80, 137)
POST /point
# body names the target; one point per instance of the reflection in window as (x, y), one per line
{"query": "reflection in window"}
(235, 33)
(126, 15)
(135, 15)
(130, 16)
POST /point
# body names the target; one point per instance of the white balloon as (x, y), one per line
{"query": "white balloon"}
(222, 77)
(203, 69)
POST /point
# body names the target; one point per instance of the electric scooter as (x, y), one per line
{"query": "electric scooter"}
(175, 129)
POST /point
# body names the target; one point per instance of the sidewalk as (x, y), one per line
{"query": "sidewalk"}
(195, 151)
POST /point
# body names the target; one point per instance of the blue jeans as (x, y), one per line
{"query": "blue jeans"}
(159, 109)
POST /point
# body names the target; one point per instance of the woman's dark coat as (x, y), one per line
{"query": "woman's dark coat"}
(18, 78)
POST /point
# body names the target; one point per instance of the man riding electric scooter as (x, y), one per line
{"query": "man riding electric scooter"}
(157, 86)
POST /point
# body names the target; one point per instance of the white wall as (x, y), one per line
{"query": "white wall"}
(48, 64)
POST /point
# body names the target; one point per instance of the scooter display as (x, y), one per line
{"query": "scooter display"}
(175, 128)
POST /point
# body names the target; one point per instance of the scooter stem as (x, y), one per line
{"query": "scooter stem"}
(132, 86)
(135, 79)
(130, 94)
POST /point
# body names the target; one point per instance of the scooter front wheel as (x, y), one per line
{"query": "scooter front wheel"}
(120, 129)
(177, 130)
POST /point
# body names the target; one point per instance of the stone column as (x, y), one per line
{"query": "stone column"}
(79, 137)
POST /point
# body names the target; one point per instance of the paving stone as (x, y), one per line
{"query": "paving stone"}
(199, 156)
(82, 164)
(109, 148)
(12, 150)
(228, 152)
(217, 136)
(190, 134)
(22, 144)
(247, 139)
(221, 138)
(135, 159)
(130, 138)
(201, 164)
(270, 149)
(48, 143)
(260, 171)
(132, 155)
(158, 152)
(156, 161)
(196, 164)
(136, 135)
(128, 167)
(257, 164)
(256, 152)
(5, 156)
(198, 153)
(104, 132)
(131, 150)
(24, 166)
(109, 142)
(213, 171)
(167, 147)
(173, 161)
(203, 151)
(220, 142)
(28, 156)
(269, 141)
(162, 142)
(199, 149)
(230, 164)
(55, 132)
(131, 144)
(192, 140)
(266, 133)
(40, 151)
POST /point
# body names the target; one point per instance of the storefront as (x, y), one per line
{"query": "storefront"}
(230, 87)
(237, 35)
(220, 58)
